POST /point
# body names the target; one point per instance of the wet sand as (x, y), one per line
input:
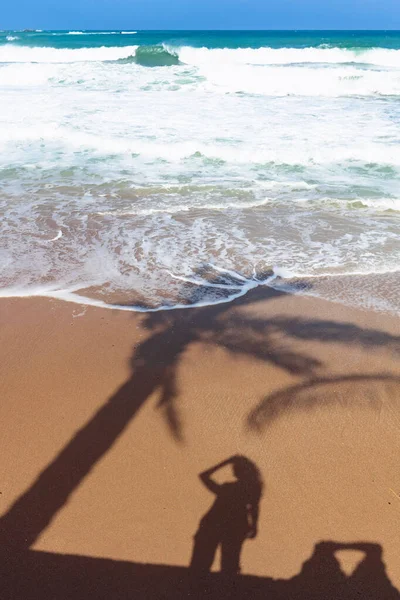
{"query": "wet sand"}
(108, 417)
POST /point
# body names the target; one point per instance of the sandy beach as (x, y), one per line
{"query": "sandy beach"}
(108, 417)
(199, 301)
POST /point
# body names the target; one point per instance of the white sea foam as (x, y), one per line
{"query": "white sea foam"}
(384, 204)
(178, 208)
(72, 295)
(61, 33)
(22, 54)
(302, 81)
(285, 56)
(205, 56)
(57, 237)
(222, 75)
(175, 152)
(128, 180)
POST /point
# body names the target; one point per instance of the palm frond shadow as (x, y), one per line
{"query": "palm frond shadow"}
(322, 392)
(264, 340)
(154, 366)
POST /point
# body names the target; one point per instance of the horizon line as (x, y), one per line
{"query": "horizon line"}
(137, 30)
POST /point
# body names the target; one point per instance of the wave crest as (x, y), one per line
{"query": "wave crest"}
(154, 56)
(289, 56)
(164, 55)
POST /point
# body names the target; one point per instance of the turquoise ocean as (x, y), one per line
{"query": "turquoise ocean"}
(159, 169)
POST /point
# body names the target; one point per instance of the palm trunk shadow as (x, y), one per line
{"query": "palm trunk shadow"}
(34, 510)
(154, 367)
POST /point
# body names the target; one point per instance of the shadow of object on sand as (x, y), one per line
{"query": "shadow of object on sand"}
(33, 575)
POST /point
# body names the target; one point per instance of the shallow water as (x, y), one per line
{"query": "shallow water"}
(141, 167)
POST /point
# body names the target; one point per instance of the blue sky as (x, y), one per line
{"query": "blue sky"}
(204, 14)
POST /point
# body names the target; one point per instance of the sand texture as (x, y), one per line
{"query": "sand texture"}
(107, 418)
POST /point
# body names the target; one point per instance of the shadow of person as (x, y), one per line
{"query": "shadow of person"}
(370, 579)
(231, 519)
(322, 578)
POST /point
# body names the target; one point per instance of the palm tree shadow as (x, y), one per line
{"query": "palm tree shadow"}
(154, 366)
(267, 340)
(324, 391)
(173, 332)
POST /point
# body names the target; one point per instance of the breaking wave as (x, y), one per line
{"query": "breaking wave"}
(146, 56)
(286, 56)
(163, 55)
(154, 56)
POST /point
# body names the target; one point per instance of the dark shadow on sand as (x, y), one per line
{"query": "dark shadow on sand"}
(231, 520)
(32, 575)
(321, 391)
(154, 366)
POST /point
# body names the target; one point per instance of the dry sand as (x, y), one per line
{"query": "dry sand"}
(107, 418)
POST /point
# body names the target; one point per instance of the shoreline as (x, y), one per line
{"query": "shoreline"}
(296, 286)
(119, 412)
